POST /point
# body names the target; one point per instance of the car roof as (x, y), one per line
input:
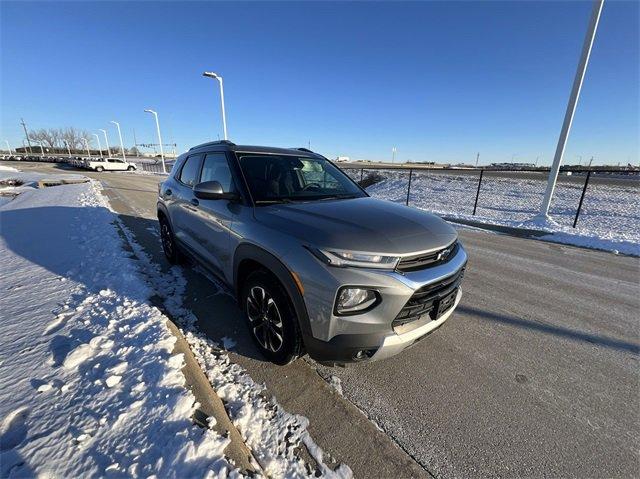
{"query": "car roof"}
(225, 145)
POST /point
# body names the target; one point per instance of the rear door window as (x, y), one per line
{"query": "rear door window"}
(190, 169)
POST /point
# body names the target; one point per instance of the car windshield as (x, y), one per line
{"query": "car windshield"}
(283, 178)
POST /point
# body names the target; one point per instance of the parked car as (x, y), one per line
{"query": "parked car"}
(109, 164)
(316, 264)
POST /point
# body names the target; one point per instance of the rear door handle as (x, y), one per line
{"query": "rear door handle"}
(195, 202)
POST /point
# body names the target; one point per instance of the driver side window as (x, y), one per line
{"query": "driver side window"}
(216, 168)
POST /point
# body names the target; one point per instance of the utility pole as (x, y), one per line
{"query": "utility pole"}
(590, 161)
(24, 127)
(571, 106)
(477, 158)
(393, 154)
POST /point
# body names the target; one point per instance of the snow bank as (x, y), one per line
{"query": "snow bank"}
(90, 387)
(609, 220)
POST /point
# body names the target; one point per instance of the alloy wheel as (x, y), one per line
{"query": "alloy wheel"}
(265, 319)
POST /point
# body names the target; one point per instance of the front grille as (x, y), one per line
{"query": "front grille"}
(426, 260)
(424, 300)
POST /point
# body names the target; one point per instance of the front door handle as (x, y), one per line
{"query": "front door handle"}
(195, 202)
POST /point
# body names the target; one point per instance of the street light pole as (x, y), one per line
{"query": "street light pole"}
(68, 148)
(99, 145)
(86, 143)
(571, 106)
(155, 114)
(120, 135)
(8, 146)
(24, 127)
(106, 141)
(224, 116)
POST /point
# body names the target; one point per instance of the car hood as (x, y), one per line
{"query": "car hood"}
(360, 224)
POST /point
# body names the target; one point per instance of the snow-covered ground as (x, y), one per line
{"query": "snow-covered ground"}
(610, 216)
(90, 386)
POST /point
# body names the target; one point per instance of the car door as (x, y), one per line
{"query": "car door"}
(182, 201)
(211, 221)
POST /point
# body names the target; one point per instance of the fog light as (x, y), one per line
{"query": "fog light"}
(354, 300)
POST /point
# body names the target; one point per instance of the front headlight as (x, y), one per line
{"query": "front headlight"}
(359, 260)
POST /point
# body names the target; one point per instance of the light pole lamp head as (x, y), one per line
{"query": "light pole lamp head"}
(150, 111)
(211, 75)
(115, 123)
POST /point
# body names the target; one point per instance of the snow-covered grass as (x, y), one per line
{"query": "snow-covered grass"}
(90, 386)
(610, 216)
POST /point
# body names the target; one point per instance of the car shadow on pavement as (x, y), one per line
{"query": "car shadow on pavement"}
(560, 331)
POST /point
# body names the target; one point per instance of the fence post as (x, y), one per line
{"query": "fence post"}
(409, 186)
(584, 190)
(361, 173)
(475, 205)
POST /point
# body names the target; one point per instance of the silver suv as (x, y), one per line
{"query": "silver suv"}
(316, 264)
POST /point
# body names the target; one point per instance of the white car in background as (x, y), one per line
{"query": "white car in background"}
(109, 164)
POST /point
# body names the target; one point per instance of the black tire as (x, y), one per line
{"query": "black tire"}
(263, 323)
(99, 169)
(169, 246)
(130, 168)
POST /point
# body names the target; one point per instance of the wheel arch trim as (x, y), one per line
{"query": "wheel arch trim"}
(248, 251)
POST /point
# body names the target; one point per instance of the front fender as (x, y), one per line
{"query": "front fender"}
(248, 251)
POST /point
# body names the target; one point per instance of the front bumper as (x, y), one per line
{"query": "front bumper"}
(338, 339)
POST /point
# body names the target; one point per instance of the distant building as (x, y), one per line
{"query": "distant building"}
(343, 158)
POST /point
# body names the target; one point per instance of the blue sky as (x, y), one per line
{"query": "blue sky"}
(439, 81)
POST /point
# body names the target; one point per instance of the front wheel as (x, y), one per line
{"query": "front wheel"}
(130, 168)
(271, 317)
(99, 169)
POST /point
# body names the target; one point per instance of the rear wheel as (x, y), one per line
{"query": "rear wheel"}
(272, 319)
(130, 168)
(99, 169)
(168, 242)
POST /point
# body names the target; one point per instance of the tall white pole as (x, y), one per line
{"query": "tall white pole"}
(121, 143)
(224, 115)
(155, 114)
(86, 143)
(68, 148)
(8, 147)
(99, 145)
(106, 141)
(571, 106)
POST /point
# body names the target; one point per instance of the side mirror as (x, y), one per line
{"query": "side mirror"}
(212, 190)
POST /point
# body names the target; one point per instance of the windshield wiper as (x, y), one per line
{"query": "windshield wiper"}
(338, 197)
(274, 201)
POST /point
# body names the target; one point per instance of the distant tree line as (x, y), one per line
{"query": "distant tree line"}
(56, 139)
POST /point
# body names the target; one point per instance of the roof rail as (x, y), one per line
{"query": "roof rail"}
(305, 149)
(209, 143)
